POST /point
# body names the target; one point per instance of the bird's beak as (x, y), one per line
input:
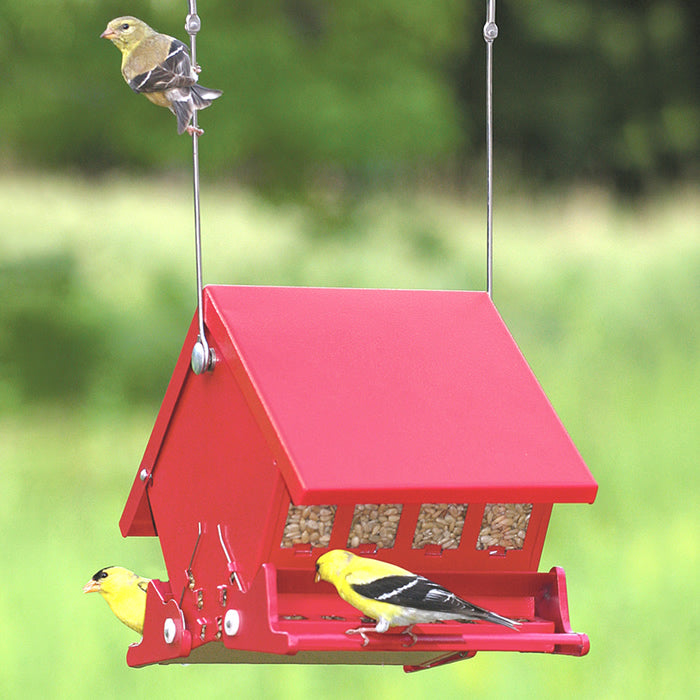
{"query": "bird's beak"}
(91, 586)
(108, 34)
(317, 578)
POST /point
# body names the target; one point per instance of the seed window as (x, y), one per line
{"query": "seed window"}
(504, 525)
(308, 525)
(440, 524)
(374, 524)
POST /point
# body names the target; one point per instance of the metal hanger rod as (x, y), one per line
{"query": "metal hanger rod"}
(490, 34)
(202, 354)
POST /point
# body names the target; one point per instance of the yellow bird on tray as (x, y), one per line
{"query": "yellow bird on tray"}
(125, 593)
(159, 66)
(395, 597)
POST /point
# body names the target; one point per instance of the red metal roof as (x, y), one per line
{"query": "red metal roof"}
(370, 395)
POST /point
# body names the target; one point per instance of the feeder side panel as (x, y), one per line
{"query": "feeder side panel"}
(137, 520)
(214, 468)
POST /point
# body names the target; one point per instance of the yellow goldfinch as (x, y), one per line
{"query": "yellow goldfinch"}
(125, 593)
(395, 597)
(159, 66)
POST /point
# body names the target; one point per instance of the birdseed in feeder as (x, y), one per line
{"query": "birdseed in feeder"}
(504, 525)
(374, 524)
(308, 525)
(441, 524)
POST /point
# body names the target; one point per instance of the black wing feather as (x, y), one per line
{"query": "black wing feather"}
(174, 72)
(414, 592)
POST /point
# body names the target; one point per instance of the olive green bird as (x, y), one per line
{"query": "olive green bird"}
(159, 67)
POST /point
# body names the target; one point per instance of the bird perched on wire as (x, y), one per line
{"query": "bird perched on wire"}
(394, 596)
(125, 593)
(159, 66)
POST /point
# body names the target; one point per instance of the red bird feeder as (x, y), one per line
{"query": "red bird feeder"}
(404, 425)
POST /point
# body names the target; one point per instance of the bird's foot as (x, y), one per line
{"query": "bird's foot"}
(192, 130)
(412, 635)
(361, 631)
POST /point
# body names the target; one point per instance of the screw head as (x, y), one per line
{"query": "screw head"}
(232, 622)
(143, 474)
(199, 358)
(169, 630)
(203, 358)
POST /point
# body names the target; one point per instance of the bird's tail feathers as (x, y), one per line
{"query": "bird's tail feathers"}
(487, 616)
(184, 102)
(183, 111)
(202, 96)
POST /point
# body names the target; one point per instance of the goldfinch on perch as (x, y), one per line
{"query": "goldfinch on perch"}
(125, 593)
(159, 66)
(395, 597)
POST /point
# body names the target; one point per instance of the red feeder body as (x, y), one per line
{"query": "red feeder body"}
(404, 425)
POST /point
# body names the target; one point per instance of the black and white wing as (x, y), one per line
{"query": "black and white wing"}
(412, 592)
(175, 71)
(420, 593)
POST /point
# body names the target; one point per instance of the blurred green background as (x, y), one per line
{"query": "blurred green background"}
(360, 93)
(347, 150)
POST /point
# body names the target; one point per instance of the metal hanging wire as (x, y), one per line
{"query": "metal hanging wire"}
(490, 34)
(203, 358)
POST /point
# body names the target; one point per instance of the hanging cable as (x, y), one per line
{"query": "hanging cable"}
(490, 34)
(202, 355)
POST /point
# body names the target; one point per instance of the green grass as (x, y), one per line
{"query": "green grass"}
(603, 299)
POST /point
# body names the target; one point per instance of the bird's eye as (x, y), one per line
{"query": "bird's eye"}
(101, 574)
(124, 26)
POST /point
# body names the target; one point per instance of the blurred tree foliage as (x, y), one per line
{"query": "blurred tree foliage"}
(55, 344)
(51, 344)
(355, 92)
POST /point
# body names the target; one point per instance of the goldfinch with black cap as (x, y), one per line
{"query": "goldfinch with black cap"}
(159, 66)
(125, 593)
(395, 597)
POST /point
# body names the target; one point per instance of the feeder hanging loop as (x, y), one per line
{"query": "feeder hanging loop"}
(490, 34)
(192, 22)
(202, 355)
